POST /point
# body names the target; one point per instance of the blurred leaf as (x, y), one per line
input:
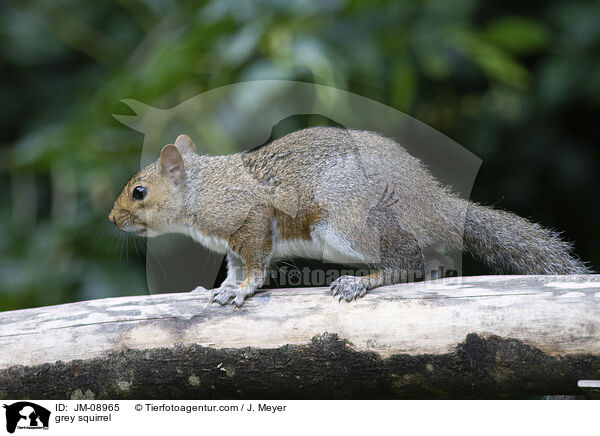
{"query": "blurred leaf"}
(518, 35)
(404, 87)
(495, 62)
(433, 63)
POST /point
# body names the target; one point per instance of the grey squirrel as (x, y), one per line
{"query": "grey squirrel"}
(346, 196)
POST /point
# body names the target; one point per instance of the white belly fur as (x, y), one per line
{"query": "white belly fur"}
(213, 243)
(305, 248)
(325, 244)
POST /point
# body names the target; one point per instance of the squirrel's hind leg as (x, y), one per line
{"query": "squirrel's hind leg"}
(351, 287)
(398, 259)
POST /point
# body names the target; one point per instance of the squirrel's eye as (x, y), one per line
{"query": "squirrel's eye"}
(139, 193)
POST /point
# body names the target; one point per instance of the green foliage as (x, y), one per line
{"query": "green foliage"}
(518, 35)
(503, 82)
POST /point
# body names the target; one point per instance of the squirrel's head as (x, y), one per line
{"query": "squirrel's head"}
(153, 198)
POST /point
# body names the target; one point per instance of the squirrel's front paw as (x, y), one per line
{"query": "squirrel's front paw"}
(348, 288)
(230, 292)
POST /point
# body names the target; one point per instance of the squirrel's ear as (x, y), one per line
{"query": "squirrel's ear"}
(171, 162)
(185, 144)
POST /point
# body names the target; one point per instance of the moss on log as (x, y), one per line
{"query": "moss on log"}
(481, 337)
(326, 368)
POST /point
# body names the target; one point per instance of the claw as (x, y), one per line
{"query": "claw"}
(230, 293)
(348, 288)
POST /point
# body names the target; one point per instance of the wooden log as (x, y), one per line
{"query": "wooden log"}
(472, 337)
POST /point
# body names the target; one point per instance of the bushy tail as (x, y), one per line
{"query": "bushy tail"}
(513, 245)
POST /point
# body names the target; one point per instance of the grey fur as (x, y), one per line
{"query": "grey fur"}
(514, 245)
(364, 197)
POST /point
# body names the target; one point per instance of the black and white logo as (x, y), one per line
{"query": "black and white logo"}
(26, 415)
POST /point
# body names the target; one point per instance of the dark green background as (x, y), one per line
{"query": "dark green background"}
(515, 82)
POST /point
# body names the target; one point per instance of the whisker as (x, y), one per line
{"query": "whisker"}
(121, 250)
(115, 234)
(142, 254)
(152, 255)
(289, 264)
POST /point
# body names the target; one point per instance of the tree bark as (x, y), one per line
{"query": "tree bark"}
(472, 337)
